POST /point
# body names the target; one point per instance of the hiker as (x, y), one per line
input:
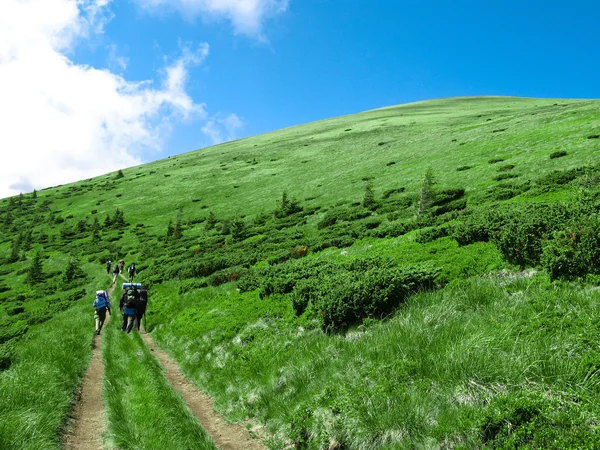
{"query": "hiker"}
(127, 305)
(141, 307)
(121, 265)
(101, 305)
(108, 266)
(115, 273)
(131, 272)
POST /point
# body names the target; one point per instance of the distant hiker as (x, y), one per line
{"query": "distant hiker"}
(121, 265)
(101, 305)
(131, 272)
(128, 304)
(108, 266)
(141, 307)
(115, 273)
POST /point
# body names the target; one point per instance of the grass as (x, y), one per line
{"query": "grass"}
(438, 372)
(144, 411)
(38, 390)
(461, 376)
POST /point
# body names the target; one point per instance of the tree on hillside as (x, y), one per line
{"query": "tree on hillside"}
(426, 194)
(369, 201)
(35, 273)
(118, 220)
(96, 231)
(107, 222)
(210, 222)
(287, 207)
(119, 174)
(14, 249)
(72, 271)
(238, 229)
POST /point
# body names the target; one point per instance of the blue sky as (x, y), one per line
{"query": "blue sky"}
(213, 70)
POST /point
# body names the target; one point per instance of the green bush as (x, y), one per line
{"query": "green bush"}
(574, 252)
(557, 154)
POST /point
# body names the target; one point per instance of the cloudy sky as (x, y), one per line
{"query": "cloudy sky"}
(91, 86)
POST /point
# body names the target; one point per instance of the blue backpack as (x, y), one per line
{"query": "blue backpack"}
(101, 302)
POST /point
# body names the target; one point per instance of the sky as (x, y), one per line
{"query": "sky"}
(88, 87)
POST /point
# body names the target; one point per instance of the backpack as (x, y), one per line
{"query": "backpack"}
(143, 296)
(101, 301)
(132, 299)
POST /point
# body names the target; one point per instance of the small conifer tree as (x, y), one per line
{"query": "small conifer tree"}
(14, 249)
(210, 222)
(369, 201)
(426, 194)
(96, 231)
(35, 273)
(118, 220)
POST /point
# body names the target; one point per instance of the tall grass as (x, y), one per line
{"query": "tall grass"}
(448, 368)
(37, 391)
(144, 411)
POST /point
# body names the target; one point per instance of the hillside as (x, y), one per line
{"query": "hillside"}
(416, 276)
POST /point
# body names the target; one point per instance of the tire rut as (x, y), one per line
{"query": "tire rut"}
(88, 420)
(226, 436)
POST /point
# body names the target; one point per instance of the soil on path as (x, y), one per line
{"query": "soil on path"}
(88, 422)
(226, 436)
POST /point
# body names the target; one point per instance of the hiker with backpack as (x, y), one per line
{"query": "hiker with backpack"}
(140, 311)
(128, 305)
(121, 265)
(101, 305)
(131, 271)
(108, 266)
(115, 273)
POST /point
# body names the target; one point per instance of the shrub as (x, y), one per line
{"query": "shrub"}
(574, 252)
(557, 154)
(506, 168)
(6, 356)
(505, 176)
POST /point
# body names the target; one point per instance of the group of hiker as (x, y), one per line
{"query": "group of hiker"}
(118, 269)
(132, 304)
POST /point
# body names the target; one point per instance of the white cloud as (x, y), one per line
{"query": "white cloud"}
(246, 16)
(222, 129)
(62, 122)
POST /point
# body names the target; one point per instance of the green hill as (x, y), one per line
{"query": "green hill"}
(416, 276)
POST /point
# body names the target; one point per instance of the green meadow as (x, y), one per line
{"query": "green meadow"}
(417, 276)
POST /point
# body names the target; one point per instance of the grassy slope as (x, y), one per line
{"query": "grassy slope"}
(324, 162)
(321, 164)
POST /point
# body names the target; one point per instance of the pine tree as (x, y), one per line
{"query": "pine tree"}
(177, 231)
(426, 194)
(35, 273)
(72, 271)
(14, 249)
(369, 201)
(96, 231)
(119, 174)
(238, 229)
(118, 220)
(210, 221)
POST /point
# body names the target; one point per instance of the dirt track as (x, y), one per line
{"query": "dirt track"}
(88, 422)
(226, 436)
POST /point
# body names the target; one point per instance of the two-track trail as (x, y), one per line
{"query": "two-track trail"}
(88, 422)
(226, 436)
